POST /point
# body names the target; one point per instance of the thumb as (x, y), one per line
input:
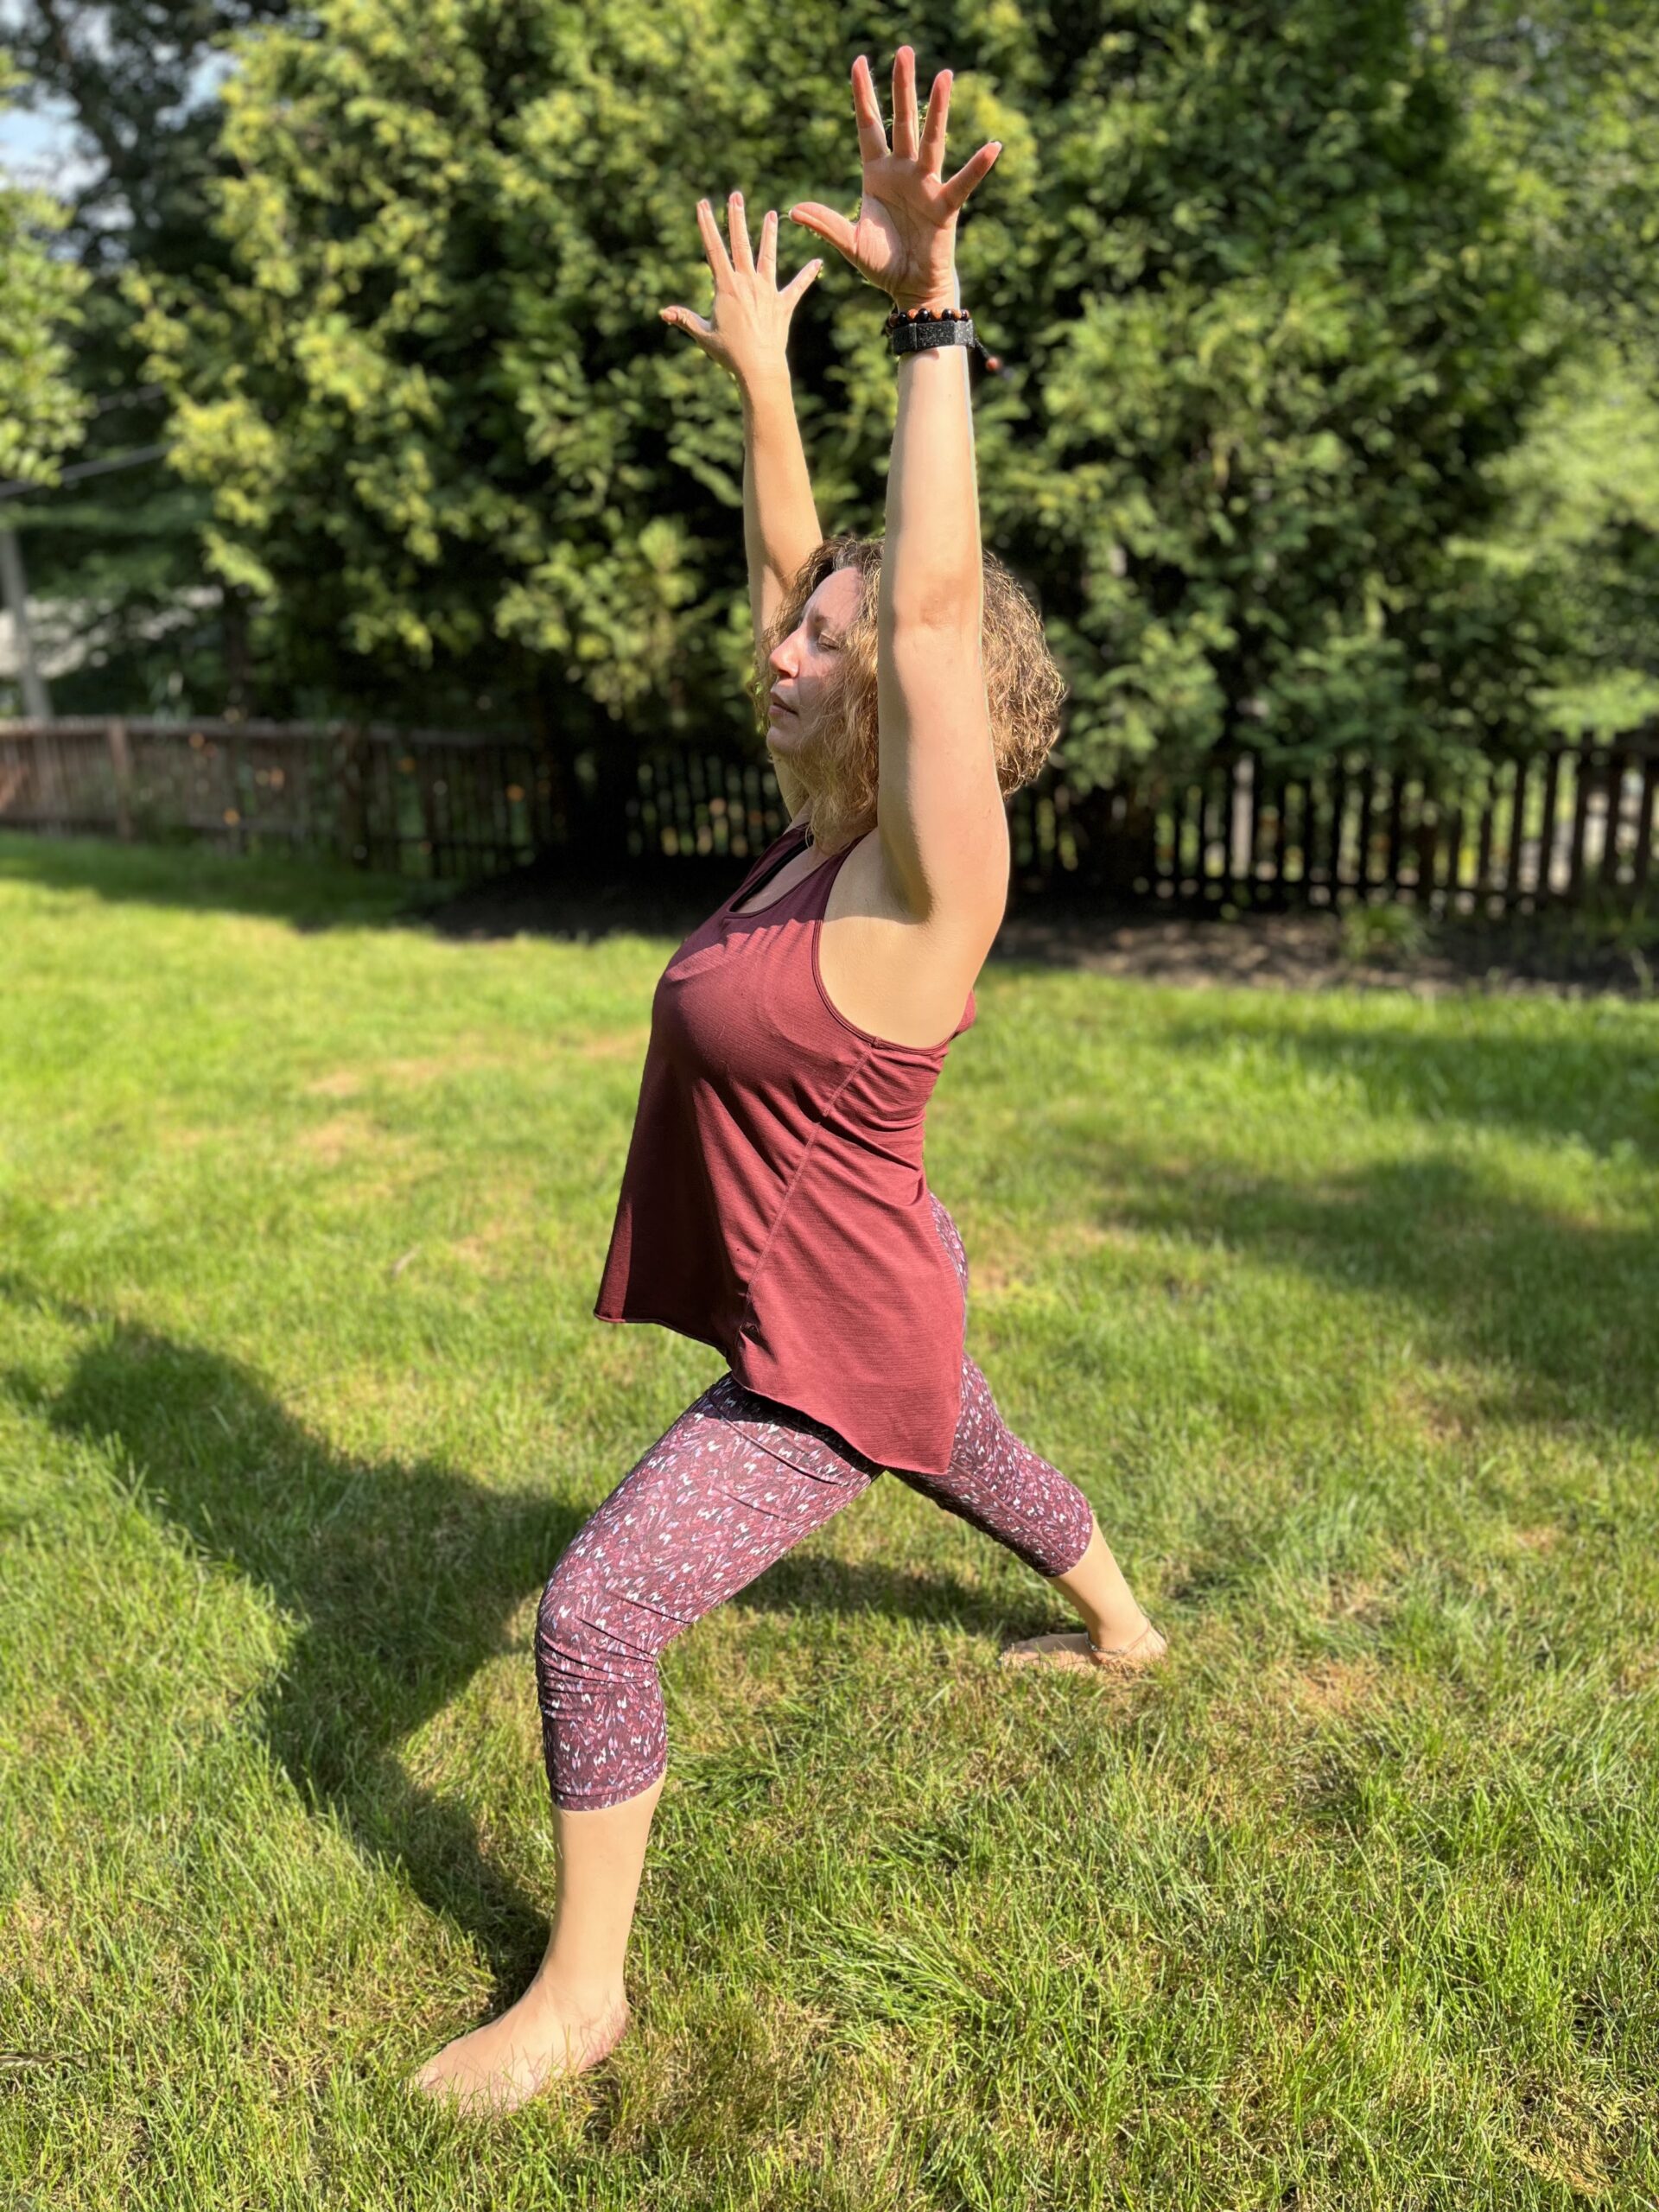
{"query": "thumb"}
(834, 229)
(686, 319)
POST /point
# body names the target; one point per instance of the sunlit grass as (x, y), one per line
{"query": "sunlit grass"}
(1341, 1309)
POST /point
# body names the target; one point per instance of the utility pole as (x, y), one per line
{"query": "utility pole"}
(37, 705)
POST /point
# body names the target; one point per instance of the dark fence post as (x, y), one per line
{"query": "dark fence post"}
(1582, 778)
(353, 810)
(1546, 868)
(1520, 783)
(1644, 821)
(121, 767)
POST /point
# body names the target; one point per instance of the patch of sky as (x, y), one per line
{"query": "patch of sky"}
(42, 145)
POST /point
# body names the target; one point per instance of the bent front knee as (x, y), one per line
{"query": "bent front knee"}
(589, 1634)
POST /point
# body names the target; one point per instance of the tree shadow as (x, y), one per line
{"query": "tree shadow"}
(575, 896)
(582, 895)
(1600, 1084)
(404, 1578)
(1557, 1310)
(309, 892)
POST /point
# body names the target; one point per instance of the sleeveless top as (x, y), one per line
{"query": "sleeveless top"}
(773, 1203)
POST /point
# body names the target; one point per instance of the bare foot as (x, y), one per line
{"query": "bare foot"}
(1075, 1648)
(503, 2064)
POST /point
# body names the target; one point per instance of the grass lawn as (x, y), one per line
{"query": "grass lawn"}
(1344, 1310)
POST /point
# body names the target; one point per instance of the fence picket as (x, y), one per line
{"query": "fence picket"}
(1483, 842)
(1391, 863)
(1644, 824)
(1339, 786)
(1581, 822)
(1453, 838)
(1620, 768)
(1367, 796)
(1544, 873)
(1520, 783)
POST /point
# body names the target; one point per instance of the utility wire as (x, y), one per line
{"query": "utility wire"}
(20, 487)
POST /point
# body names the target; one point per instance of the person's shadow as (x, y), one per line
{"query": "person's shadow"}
(403, 1578)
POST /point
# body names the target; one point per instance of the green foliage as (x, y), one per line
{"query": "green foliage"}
(119, 556)
(1582, 522)
(40, 412)
(1267, 323)
(1563, 102)
(1283, 324)
(1562, 98)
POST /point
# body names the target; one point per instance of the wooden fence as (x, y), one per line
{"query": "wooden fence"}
(1551, 825)
(1555, 824)
(427, 802)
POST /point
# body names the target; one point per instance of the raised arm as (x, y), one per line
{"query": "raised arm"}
(748, 334)
(939, 809)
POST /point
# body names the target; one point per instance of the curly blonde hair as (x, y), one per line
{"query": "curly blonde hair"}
(1023, 687)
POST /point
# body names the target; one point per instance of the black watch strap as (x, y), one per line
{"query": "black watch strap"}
(915, 333)
(914, 330)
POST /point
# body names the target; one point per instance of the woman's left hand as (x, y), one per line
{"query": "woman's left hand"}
(905, 239)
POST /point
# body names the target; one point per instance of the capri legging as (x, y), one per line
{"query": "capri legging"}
(726, 1491)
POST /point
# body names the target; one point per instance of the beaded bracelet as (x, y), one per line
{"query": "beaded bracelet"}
(912, 330)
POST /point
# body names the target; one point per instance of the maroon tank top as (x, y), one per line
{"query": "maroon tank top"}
(775, 1202)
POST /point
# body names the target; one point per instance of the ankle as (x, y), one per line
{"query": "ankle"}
(1113, 1635)
(576, 2001)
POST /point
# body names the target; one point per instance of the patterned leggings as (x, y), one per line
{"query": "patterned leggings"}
(723, 1494)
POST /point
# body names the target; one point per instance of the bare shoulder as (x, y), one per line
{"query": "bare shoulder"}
(893, 972)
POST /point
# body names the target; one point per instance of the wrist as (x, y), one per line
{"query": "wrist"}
(935, 296)
(765, 382)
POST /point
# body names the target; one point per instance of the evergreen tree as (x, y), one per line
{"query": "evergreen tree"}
(41, 416)
(1562, 97)
(120, 551)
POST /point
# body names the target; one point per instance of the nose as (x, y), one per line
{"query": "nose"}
(783, 657)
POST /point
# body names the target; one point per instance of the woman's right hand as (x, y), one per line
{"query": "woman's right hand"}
(748, 330)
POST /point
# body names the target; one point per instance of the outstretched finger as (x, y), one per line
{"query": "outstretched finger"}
(713, 244)
(767, 261)
(939, 106)
(798, 283)
(684, 318)
(904, 103)
(835, 230)
(872, 138)
(738, 224)
(957, 188)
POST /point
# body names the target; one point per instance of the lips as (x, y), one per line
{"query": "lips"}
(777, 706)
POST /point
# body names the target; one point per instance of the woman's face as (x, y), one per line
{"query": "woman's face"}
(806, 665)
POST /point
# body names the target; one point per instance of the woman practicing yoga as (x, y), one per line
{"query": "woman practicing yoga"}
(773, 1203)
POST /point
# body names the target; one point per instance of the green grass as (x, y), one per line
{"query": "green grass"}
(1340, 1307)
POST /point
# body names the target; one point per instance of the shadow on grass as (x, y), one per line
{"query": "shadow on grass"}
(404, 1578)
(1597, 1083)
(572, 898)
(556, 898)
(1558, 1310)
(310, 893)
